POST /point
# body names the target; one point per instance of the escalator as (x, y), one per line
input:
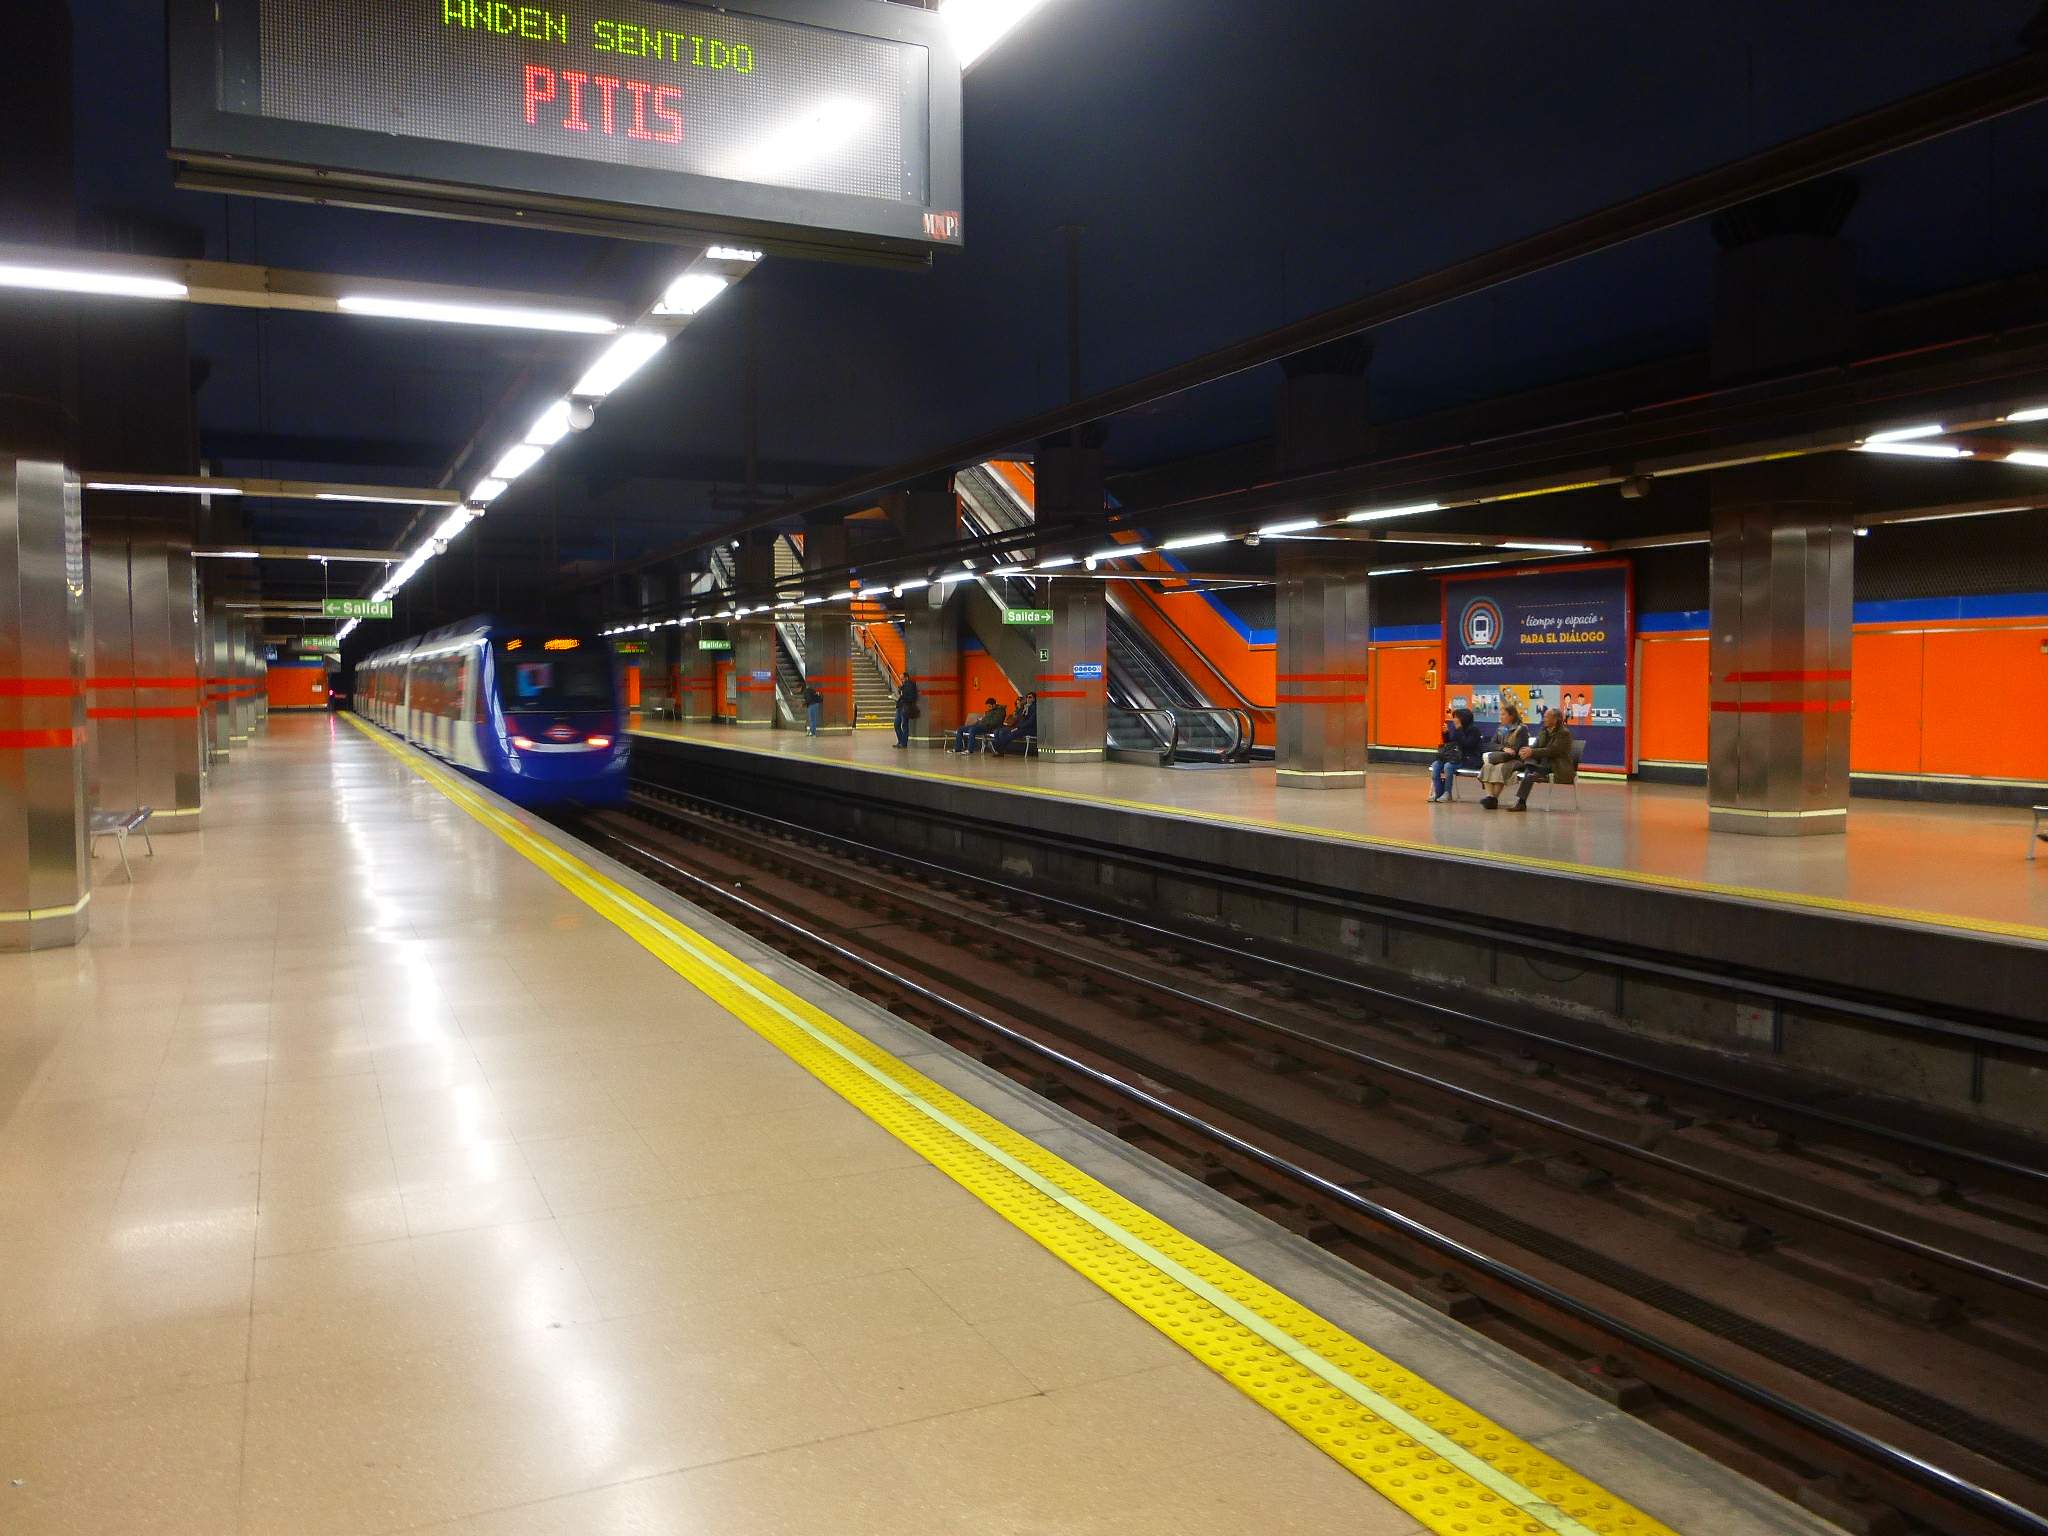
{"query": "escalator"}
(1155, 713)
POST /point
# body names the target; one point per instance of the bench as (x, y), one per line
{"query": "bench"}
(117, 825)
(986, 742)
(2038, 836)
(1544, 782)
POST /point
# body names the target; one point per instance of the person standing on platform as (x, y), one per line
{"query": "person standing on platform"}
(1460, 749)
(1549, 756)
(1508, 742)
(814, 709)
(906, 710)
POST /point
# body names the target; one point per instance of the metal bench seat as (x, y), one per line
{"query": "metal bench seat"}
(118, 825)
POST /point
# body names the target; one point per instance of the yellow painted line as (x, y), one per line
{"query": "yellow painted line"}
(1445, 1465)
(1984, 925)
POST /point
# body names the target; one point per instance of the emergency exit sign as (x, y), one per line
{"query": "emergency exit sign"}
(1027, 615)
(354, 608)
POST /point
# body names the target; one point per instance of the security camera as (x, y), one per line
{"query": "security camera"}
(1251, 541)
(582, 413)
(1635, 487)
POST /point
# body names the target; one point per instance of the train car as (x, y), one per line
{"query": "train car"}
(538, 714)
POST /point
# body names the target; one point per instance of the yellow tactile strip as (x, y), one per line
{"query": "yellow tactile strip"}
(1492, 859)
(1448, 1467)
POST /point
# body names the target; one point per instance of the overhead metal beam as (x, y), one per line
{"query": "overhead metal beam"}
(1961, 103)
(240, 285)
(279, 490)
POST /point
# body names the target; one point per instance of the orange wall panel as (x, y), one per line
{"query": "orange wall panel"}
(1671, 699)
(981, 679)
(297, 687)
(1885, 701)
(1984, 691)
(1408, 700)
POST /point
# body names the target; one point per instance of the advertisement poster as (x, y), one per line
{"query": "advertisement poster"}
(1545, 638)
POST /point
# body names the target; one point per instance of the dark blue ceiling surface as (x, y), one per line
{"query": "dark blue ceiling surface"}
(1235, 164)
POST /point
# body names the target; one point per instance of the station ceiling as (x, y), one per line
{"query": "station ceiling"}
(1231, 165)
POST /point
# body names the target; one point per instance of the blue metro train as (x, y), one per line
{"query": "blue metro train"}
(537, 714)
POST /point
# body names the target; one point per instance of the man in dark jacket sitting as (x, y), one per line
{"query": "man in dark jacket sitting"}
(1549, 756)
(991, 719)
(1460, 749)
(1023, 723)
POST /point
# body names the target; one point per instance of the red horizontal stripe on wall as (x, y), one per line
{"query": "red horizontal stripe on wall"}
(30, 741)
(935, 677)
(1780, 706)
(1063, 693)
(38, 688)
(154, 712)
(142, 682)
(1323, 677)
(1319, 698)
(1787, 677)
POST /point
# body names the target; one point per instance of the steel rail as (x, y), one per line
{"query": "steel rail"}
(1981, 1501)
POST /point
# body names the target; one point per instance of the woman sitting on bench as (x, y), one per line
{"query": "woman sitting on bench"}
(1459, 750)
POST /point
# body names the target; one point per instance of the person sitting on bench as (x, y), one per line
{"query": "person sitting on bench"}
(991, 720)
(1459, 750)
(1023, 724)
(1549, 756)
(1505, 751)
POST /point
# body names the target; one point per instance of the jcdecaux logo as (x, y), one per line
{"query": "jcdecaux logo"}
(1479, 624)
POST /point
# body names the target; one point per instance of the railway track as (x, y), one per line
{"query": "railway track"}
(1853, 1314)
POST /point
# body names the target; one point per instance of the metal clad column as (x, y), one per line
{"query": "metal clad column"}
(45, 872)
(931, 616)
(697, 676)
(1782, 554)
(1783, 558)
(1073, 702)
(219, 685)
(1321, 670)
(184, 732)
(753, 641)
(112, 779)
(828, 631)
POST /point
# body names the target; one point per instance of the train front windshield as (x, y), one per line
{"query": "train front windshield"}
(554, 676)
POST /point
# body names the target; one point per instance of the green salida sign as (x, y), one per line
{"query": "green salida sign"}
(354, 608)
(1027, 615)
(714, 645)
(316, 643)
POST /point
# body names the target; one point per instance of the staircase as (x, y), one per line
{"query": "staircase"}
(873, 702)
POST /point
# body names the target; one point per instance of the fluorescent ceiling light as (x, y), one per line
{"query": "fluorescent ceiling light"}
(952, 576)
(226, 554)
(1057, 562)
(731, 253)
(1562, 549)
(845, 597)
(2029, 457)
(811, 602)
(1943, 517)
(1299, 525)
(1006, 570)
(488, 491)
(1121, 552)
(2032, 413)
(622, 359)
(1914, 450)
(1391, 570)
(1903, 434)
(978, 25)
(800, 141)
(1462, 565)
(1862, 533)
(113, 285)
(1196, 541)
(691, 292)
(384, 501)
(453, 524)
(1374, 514)
(500, 316)
(516, 462)
(911, 586)
(550, 427)
(150, 489)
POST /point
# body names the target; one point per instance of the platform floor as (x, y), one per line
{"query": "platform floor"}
(1948, 866)
(360, 1174)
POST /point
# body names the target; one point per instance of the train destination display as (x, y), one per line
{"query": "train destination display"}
(837, 120)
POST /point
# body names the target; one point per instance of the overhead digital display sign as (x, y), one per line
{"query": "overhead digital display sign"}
(827, 126)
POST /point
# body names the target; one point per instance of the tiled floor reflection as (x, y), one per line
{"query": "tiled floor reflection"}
(355, 1178)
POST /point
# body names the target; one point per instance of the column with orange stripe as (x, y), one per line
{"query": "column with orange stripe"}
(45, 878)
(1781, 588)
(1322, 668)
